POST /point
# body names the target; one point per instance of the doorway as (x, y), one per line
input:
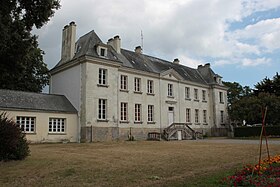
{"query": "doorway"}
(170, 115)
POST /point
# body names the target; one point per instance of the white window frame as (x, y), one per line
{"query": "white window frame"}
(221, 97)
(151, 113)
(187, 93)
(150, 86)
(57, 125)
(205, 116)
(203, 95)
(137, 84)
(124, 81)
(99, 51)
(170, 90)
(188, 115)
(137, 113)
(196, 94)
(222, 117)
(124, 111)
(196, 116)
(26, 123)
(102, 109)
(102, 76)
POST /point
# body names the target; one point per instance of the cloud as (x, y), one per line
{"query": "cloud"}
(255, 62)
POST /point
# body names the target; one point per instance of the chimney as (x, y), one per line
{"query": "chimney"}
(207, 65)
(68, 42)
(199, 66)
(115, 43)
(138, 50)
(176, 61)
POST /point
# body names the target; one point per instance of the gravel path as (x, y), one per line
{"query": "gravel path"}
(237, 141)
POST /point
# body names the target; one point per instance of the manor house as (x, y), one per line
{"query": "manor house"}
(118, 92)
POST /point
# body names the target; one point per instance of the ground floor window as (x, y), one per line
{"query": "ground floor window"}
(57, 125)
(137, 113)
(196, 117)
(123, 111)
(26, 124)
(222, 117)
(102, 109)
(205, 116)
(150, 113)
(188, 115)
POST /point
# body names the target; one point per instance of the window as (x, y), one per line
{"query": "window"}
(222, 117)
(205, 116)
(150, 87)
(123, 111)
(102, 52)
(196, 94)
(57, 125)
(188, 115)
(196, 117)
(26, 124)
(137, 113)
(203, 95)
(150, 113)
(102, 109)
(123, 82)
(170, 90)
(102, 77)
(187, 93)
(137, 84)
(221, 97)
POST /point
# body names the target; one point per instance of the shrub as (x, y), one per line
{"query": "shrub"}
(13, 144)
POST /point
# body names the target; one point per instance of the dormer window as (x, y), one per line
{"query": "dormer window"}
(102, 51)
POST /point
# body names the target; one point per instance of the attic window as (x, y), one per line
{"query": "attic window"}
(102, 51)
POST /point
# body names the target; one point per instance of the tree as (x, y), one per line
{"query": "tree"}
(267, 85)
(21, 61)
(13, 144)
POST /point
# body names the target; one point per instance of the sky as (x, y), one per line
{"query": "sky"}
(240, 38)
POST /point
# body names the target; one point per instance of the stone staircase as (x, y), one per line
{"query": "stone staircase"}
(181, 131)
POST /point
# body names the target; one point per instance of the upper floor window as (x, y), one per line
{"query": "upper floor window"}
(124, 111)
(124, 82)
(26, 124)
(188, 115)
(170, 90)
(187, 93)
(102, 78)
(196, 94)
(203, 95)
(137, 84)
(102, 109)
(102, 51)
(57, 125)
(137, 113)
(150, 86)
(221, 97)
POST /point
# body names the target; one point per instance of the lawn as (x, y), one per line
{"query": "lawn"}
(138, 163)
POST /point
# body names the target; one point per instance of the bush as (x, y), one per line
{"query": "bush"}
(256, 131)
(13, 144)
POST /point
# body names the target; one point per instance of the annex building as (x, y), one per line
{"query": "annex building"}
(118, 93)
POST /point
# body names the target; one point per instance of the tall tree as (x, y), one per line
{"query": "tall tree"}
(267, 85)
(21, 60)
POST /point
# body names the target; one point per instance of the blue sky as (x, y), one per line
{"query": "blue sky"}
(240, 38)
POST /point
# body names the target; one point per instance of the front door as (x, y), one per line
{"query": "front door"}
(179, 133)
(170, 115)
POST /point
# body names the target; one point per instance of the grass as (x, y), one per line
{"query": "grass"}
(138, 163)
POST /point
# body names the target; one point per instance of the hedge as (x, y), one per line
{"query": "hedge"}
(256, 131)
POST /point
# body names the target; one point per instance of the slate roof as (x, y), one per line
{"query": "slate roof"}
(86, 45)
(18, 100)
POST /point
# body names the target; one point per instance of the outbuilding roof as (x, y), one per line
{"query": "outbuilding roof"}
(19, 100)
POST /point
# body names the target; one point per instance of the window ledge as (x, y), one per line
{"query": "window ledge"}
(188, 99)
(197, 123)
(138, 92)
(188, 123)
(169, 96)
(103, 85)
(196, 100)
(204, 101)
(57, 133)
(138, 122)
(102, 120)
(222, 102)
(205, 123)
(124, 121)
(151, 94)
(121, 90)
(151, 122)
(29, 133)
